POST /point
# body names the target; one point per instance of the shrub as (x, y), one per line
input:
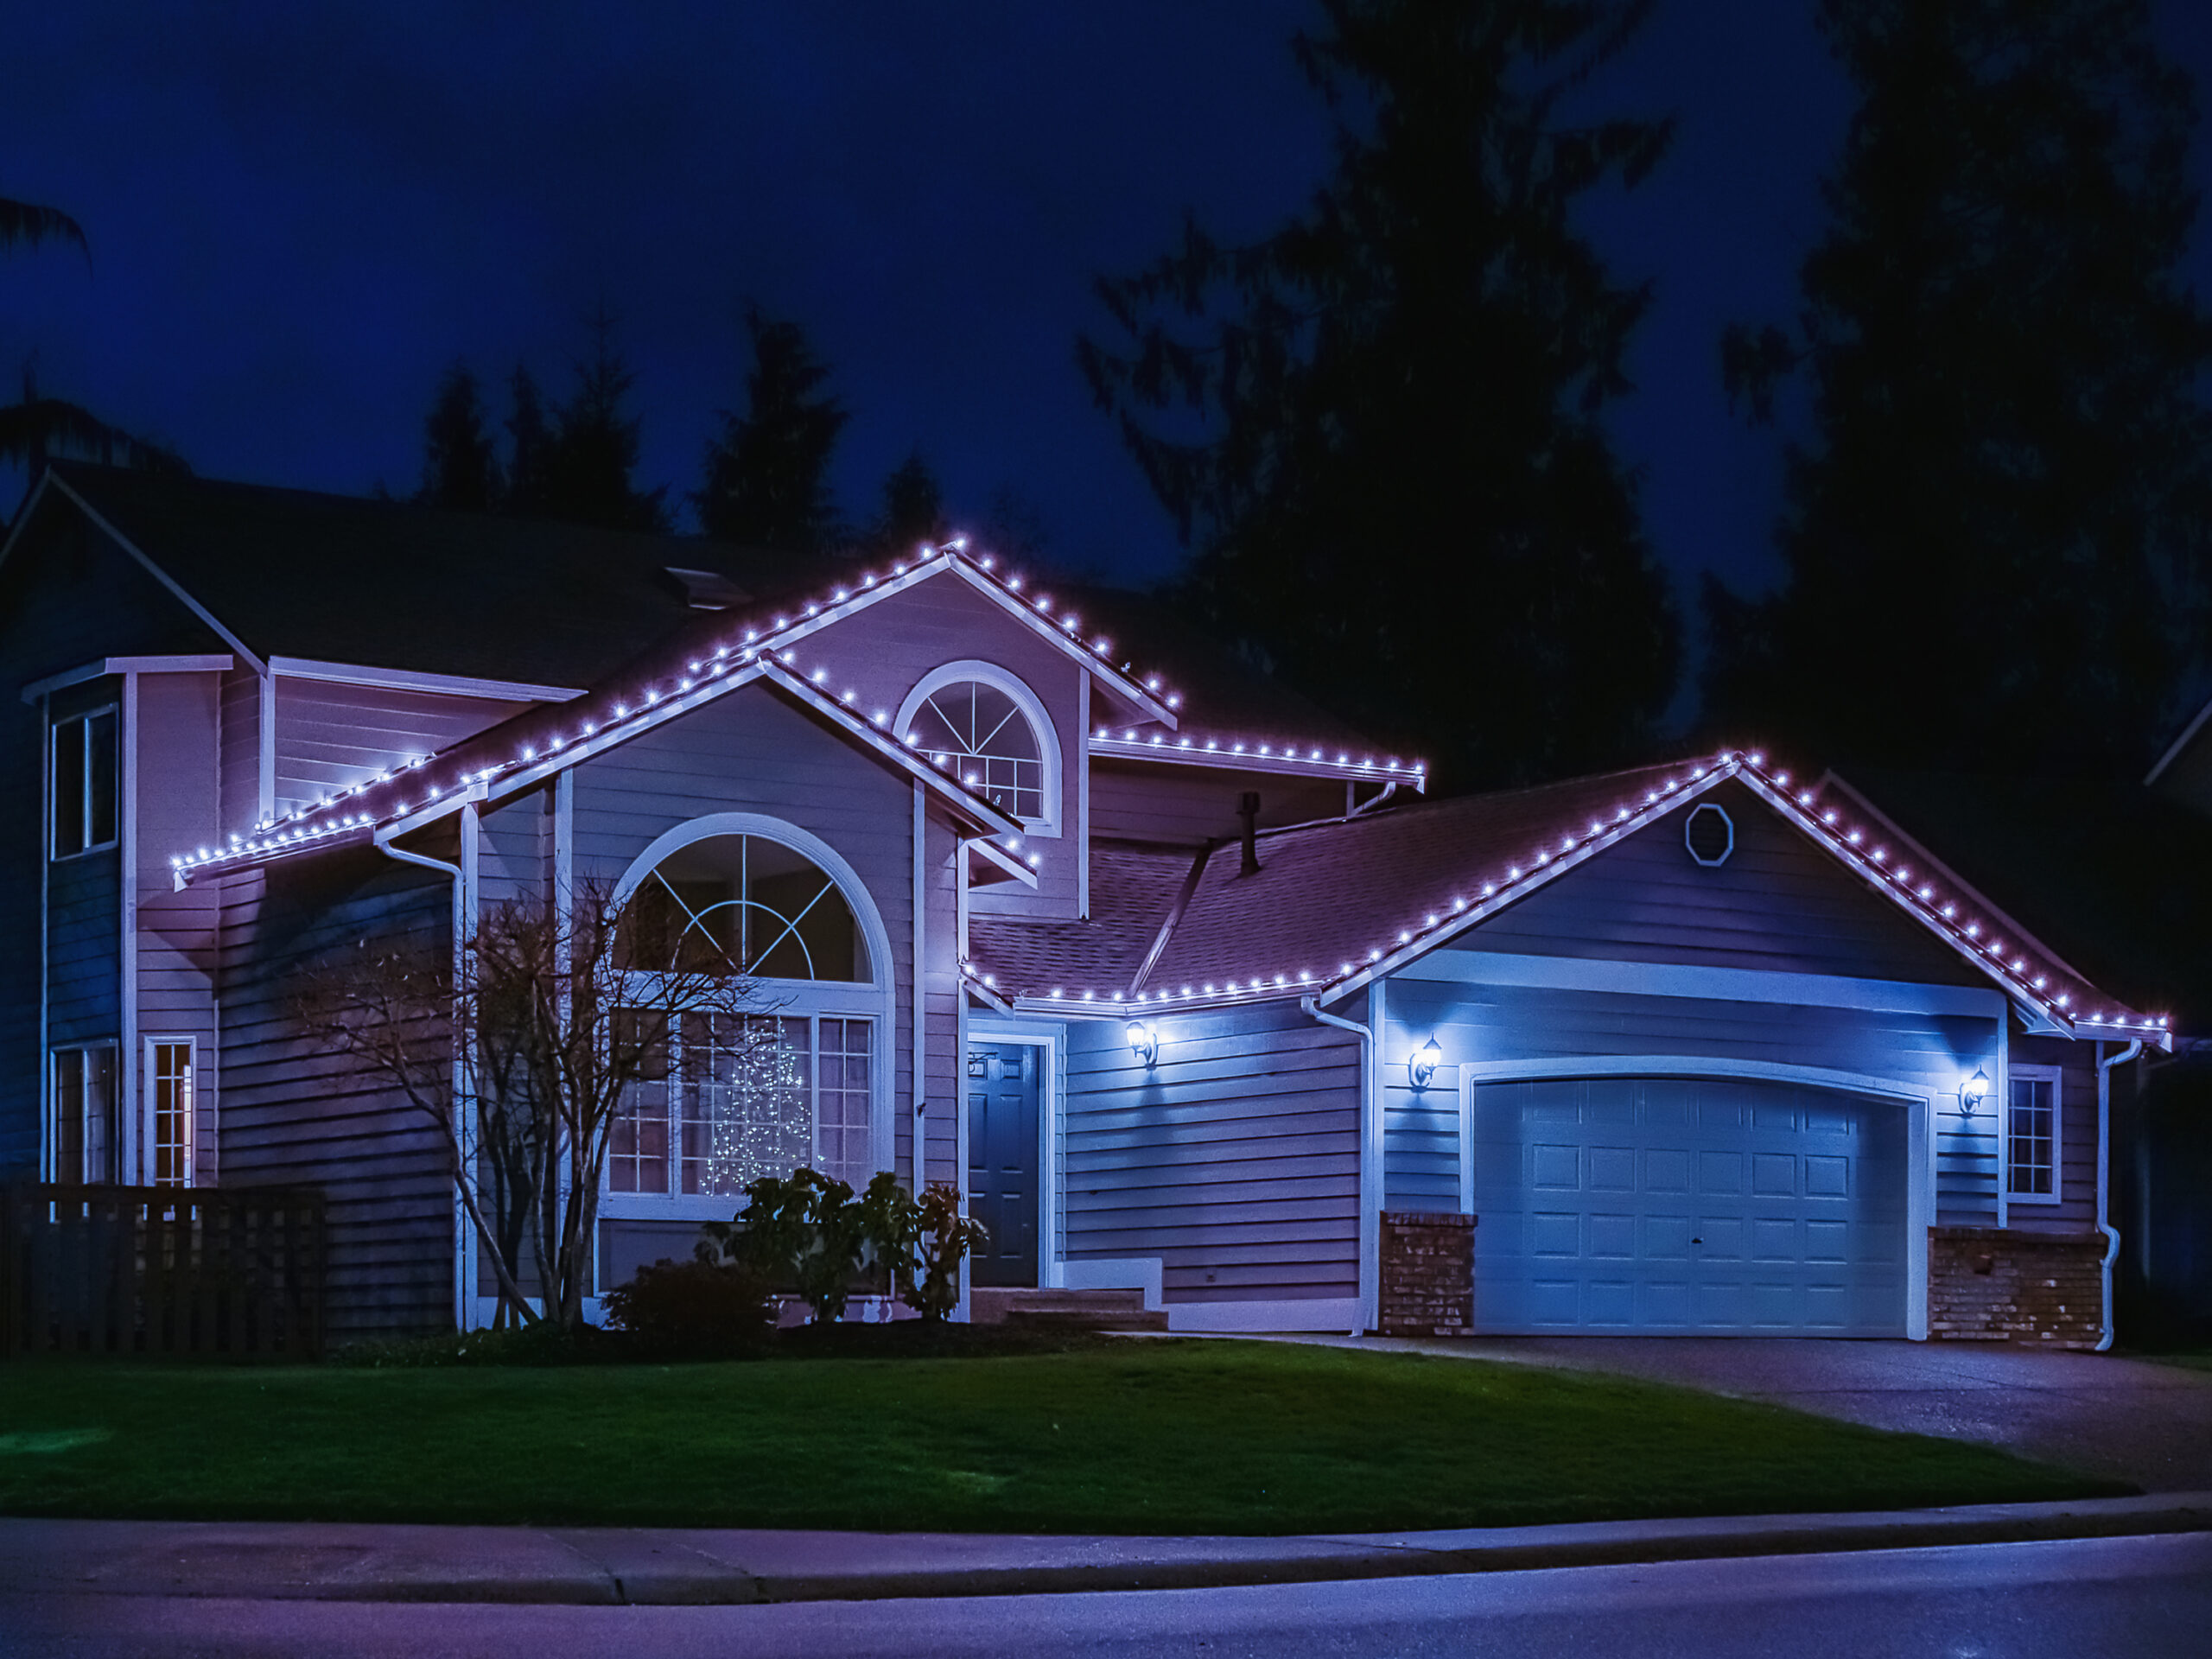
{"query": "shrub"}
(702, 1309)
(810, 1231)
(943, 1239)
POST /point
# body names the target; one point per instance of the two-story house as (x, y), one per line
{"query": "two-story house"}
(1188, 987)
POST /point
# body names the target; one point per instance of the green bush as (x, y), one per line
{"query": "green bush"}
(811, 1232)
(701, 1309)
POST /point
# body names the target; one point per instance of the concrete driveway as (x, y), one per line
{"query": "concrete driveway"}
(2134, 1419)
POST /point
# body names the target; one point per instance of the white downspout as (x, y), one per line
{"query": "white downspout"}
(1370, 1108)
(463, 897)
(2104, 1174)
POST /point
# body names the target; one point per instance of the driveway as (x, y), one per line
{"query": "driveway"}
(2102, 1413)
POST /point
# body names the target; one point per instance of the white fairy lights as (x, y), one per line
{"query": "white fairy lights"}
(1992, 955)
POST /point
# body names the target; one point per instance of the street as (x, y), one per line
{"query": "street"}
(2142, 1596)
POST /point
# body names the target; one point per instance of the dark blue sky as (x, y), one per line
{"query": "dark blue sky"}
(299, 218)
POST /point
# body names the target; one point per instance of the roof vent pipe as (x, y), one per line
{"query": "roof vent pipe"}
(1248, 808)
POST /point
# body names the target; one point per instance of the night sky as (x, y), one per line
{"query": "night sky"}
(298, 219)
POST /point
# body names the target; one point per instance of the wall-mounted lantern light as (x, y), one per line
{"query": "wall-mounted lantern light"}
(1424, 1062)
(1144, 1043)
(1974, 1090)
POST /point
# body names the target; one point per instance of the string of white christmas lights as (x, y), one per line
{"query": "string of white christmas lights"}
(1128, 743)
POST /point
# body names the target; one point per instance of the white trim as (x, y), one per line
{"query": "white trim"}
(1689, 845)
(148, 1041)
(994, 853)
(1051, 1264)
(1920, 1127)
(1703, 984)
(83, 717)
(1082, 795)
(1372, 1115)
(407, 679)
(1032, 709)
(1321, 1313)
(1133, 691)
(875, 998)
(2174, 749)
(918, 1111)
(1466, 1143)
(2055, 1077)
(2004, 1092)
(1142, 1273)
(214, 662)
(158, 574)
(1186, 751)
(132, 1153)
(265, 738)
(45, 930)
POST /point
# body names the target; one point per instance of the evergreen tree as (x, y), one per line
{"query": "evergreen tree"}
(459, 468)
(913, 507)
(593, 453)
(767, 475)
(1403, 495)
(2002, 489)
(530, 450)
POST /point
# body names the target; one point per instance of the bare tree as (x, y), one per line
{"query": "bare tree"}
(524, 1047)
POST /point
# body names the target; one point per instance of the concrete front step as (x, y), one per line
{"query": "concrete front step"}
(1090, 1309)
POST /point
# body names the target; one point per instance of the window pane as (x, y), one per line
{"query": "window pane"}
(69, 1115)
(746, 1102)
(100, 763)
(742, 904)
(68, 788)
(170, 1087)
(980, 734)
(100, 1144)
(842, 1077)
(2030, 1139)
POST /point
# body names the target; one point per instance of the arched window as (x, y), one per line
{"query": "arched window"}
(984, 725)
(728, 1096)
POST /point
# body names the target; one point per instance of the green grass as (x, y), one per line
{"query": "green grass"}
(1153, 1437)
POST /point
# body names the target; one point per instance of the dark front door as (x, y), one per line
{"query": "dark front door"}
(1002, 1128)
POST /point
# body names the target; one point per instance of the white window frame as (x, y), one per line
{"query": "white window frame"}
(52, 1156)
(873, 1000)
(2055, 1077)
(151, 1072)
(82, 720)
(1032, 706)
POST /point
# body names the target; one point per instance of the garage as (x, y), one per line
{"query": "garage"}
(1687, 1207)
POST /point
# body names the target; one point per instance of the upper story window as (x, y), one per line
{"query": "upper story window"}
(2032, 1137)
(984, 725)
(85, 783)
(743, 904)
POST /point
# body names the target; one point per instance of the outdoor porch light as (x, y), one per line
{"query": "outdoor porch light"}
(1144, 1043)
(1424, 1062)
(1974, 1091)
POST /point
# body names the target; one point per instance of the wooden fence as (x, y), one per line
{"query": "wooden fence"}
(232, 1273)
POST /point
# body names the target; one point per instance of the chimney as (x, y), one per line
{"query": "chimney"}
(1248, 808)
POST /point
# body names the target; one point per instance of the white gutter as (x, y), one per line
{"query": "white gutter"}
(2104, 1175)
(1371, 1112)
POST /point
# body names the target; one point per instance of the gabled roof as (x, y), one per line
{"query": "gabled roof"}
(1338, 903)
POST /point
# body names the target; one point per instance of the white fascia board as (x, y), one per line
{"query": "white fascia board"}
(1183, 753)
(2173, 750)
(1704, 984)
(993, 854)
(1131, 691)
(401, 679)
(1966, 888)
(253, 661)
(209, 663)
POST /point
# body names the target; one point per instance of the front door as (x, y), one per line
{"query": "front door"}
(1002, 1131)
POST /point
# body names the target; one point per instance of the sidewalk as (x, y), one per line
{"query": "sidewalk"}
(264, 1560)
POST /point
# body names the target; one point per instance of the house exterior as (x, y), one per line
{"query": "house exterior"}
(1188, 987)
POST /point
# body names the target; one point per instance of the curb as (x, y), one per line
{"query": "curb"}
(613, 1567)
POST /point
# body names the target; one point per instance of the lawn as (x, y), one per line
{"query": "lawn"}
(1152, 1437)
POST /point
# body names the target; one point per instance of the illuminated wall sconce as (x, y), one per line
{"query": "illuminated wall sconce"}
(1144, 1043)
(1424, 1062)
(1974, 1090)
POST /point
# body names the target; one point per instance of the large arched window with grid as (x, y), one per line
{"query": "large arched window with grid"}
(986, 726)
(725, 1097)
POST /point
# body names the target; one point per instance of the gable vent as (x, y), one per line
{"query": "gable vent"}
(1710, 834)
(708, 590)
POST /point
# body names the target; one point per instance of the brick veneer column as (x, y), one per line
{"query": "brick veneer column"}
(1428, 1274)
(1988, 1284)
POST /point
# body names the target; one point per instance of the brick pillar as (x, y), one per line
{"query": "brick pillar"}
(1989, 1284)
(1428, 1274)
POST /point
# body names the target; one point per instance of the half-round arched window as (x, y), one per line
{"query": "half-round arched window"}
(986, 726)
(743, 904)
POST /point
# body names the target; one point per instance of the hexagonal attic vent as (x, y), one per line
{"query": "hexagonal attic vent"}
(1710, 834)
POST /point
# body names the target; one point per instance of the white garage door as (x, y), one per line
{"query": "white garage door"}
(1677, 1207)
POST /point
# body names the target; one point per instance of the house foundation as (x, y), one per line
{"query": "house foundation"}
(1991, 1284)
(1428, 1274)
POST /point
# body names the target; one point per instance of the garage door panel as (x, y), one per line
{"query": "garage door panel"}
(1679, 1206)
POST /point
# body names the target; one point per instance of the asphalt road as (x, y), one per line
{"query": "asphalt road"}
(2135, 1596)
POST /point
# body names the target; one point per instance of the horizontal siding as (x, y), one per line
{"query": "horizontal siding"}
(1234, 1160)
(240, 740)
(2077, 1210)
(332, 736)
(1930, 1053)
(293, 1114)
(1130, 801)
(1778, 903)
(515, 855)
